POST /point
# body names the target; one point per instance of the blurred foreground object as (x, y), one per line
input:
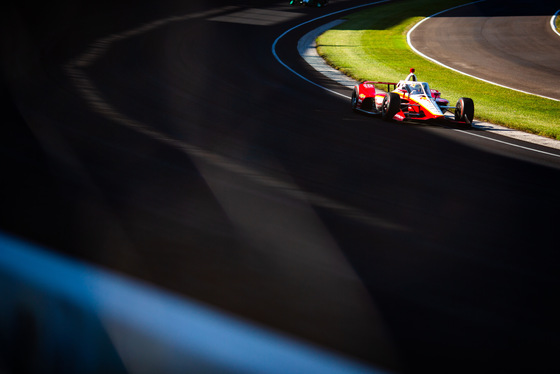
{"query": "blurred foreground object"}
(62, 316)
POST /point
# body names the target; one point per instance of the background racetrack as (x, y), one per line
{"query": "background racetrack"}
(508, 43)
(185, 155)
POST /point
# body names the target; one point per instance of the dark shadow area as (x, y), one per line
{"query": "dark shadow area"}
(451, 242)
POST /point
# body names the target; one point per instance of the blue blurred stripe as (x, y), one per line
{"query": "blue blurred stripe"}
(98, 321)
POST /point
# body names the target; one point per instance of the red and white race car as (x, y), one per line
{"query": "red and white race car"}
(409, 100)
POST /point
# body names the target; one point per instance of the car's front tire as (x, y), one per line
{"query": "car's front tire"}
(464, 110)
(391, 105)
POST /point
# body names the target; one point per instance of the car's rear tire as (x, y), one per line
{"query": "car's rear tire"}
(354, 100)
(464, 110)
(391, 105)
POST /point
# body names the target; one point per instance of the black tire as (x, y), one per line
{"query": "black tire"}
(391, 105)
(354, 101)
(464, 110)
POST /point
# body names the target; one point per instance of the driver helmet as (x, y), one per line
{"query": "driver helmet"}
(416, 88)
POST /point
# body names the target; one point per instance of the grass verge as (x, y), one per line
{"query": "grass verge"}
(371, 45)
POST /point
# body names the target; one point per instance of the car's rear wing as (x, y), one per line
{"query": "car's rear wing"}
(389, 84)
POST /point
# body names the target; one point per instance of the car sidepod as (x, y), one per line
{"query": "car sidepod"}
(363, 97)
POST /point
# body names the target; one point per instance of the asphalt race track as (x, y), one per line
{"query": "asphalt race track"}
(506, 42)
(166, 142)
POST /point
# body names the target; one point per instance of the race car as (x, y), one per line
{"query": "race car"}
(408, 100)
(315, 3)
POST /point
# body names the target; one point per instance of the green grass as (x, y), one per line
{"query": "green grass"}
(371, 45)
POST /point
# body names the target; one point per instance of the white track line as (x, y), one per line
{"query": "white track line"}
(553, 22)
